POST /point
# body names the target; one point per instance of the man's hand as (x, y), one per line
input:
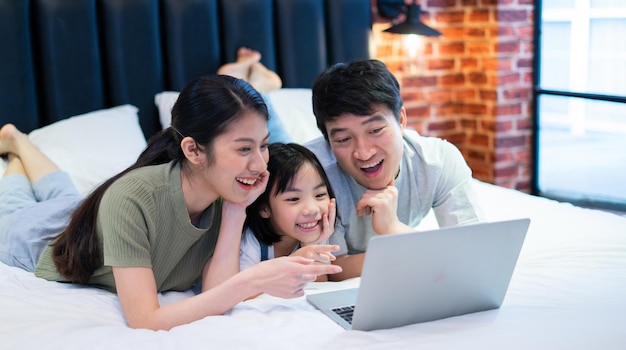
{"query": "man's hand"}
(382, 205)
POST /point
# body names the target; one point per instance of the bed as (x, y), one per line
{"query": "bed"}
(78, 74)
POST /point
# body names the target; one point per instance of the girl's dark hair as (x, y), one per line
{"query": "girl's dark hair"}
(284, 163)
(204, 110)
(357, 88)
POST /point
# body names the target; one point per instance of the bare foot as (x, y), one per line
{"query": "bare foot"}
(263, 79)
(241, 68)
(8, 137)
(245, 54)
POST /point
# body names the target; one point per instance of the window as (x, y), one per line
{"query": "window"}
(580, 102)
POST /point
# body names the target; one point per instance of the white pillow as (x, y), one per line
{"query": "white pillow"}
(94, 146)
(165, 101)
(3, 166)
(292, 106)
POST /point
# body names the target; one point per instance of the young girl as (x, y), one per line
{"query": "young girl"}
(172, 219)
(295, 213)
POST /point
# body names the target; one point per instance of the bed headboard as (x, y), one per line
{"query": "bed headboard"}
(60, 58)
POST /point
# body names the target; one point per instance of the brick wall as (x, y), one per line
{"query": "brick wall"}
(472, 85)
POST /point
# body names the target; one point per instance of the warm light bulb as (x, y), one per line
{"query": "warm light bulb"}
(414, 46)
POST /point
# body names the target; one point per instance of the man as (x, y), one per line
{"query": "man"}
(386, 178)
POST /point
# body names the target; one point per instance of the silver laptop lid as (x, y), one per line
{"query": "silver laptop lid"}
(424, 276)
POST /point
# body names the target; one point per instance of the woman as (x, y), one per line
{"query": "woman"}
(172, 219)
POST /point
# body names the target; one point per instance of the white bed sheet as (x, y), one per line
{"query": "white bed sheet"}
(568, 292)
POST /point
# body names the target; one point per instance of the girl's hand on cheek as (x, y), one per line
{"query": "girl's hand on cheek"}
(328, 221)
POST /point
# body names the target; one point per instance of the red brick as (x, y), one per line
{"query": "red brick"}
(488, 125)
(479, 139)
(452, 79)
(517, 94)
(456, 138)
(421, 81)
(479, 15)
(477, 78)
(441, 3)
(504, 110)
(479, 48)
(474, 154)
(465, 95)
(475, 32)
(440, 64)
(508, 78)
(475, 109)
(447, 110)
(523, 186)
(442, 125)
(450, 17)
(489, 95)
(504, 157)
(452, 33)
(512, 47)
(506, 171)
(510, 141)
(469, 124)
(524, 63)
(502, 31)
(469, 62)
(525, 32)
(454, 48)
(528, 78)
(418, 112)
(413, 95)
(439, 97)
(524, 124)
(512, 16)
(504, 126)
(491, 64)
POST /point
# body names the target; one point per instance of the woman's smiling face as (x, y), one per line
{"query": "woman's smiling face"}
(240, 156)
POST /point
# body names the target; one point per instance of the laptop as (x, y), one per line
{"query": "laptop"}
(430, 275)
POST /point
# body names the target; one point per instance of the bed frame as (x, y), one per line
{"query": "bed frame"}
(61, 58)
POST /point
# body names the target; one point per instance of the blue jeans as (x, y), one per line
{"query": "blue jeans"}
(30, 216)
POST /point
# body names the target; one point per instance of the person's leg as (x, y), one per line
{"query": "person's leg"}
(241, 68)
(34, 164)
(15, 189)
(249, 68)
(263, 79)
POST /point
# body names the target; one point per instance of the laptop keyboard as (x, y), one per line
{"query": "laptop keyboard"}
(345, 312)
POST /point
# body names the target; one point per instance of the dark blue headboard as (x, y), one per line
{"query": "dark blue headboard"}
(60, 58)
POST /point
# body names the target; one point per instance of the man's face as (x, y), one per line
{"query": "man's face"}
(368, 147)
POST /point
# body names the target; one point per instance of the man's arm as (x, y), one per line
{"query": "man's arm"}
(351, 266)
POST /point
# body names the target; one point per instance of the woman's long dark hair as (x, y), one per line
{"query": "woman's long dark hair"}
(284, 163)
(204, 110)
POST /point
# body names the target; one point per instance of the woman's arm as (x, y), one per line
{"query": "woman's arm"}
(136, 289)
(282, 277)
(225, 260)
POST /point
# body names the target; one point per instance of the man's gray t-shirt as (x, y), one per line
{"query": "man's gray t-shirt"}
(433, 174)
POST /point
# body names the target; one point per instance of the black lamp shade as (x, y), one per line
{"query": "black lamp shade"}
(413, 24)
